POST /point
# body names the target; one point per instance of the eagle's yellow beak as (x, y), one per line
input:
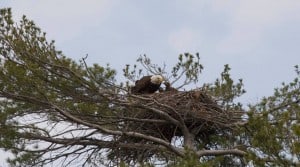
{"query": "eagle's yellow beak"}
(162, 79)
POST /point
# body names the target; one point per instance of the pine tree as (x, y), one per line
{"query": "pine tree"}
(57, 110)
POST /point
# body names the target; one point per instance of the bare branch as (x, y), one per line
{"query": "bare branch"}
(220, 152)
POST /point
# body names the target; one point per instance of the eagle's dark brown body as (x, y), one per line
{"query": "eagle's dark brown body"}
(146, 86)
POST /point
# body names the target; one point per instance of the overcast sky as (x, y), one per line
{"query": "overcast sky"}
(259, 39)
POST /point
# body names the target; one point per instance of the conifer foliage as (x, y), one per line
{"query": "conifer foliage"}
(54, 110)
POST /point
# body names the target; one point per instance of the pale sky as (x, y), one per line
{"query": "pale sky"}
(259, 39)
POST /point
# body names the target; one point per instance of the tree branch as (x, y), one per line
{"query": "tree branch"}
(220, 152)
(120, 133)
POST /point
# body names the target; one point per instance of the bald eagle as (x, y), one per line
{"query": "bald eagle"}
(147, 84)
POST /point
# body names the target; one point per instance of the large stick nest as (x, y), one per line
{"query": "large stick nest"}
(199, 112)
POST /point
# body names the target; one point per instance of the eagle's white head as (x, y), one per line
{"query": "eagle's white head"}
(157, 79)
